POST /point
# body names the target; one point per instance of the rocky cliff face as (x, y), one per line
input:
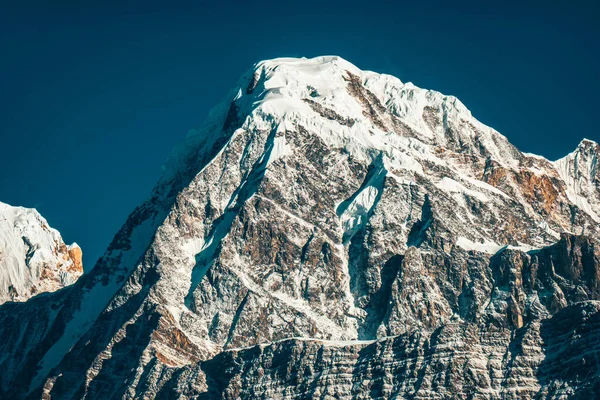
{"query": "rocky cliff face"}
(33, 257)
(332, 233)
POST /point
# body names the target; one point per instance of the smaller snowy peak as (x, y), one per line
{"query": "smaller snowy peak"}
(587, 151)
(585, 148)
(580, 172)
(579, 169)
(33, 256)
(587, 142)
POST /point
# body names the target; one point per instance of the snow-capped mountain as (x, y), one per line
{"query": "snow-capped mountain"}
(332, 233)
(33, 257)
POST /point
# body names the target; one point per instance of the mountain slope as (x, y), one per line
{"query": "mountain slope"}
(331, 230)
(33, 257)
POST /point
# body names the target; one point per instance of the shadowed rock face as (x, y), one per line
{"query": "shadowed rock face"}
(332, 233)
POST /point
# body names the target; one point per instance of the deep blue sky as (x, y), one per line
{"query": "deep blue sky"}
(92, 98)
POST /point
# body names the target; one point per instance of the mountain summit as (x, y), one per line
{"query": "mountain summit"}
(332, 233)
(33, 257)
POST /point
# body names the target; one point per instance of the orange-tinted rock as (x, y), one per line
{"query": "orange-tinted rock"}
(537, 189)
(75, 254)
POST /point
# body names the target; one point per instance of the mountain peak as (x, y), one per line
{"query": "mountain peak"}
(587, 142)
(328, 219)
(33, 257)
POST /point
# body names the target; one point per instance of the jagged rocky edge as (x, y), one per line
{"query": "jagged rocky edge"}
(146, 218)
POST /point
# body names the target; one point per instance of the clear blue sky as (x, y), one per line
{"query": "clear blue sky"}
(93, 97)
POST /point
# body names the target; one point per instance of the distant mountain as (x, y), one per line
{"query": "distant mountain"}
(33, 257)
(333, 233)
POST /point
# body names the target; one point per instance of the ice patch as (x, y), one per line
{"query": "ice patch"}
(544, 225)
(485, 186)
(452, 186)
(280, 149)
(355, 212)
(523, 247)
(488, 247)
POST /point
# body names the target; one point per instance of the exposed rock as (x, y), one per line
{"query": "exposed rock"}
(75, 254)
